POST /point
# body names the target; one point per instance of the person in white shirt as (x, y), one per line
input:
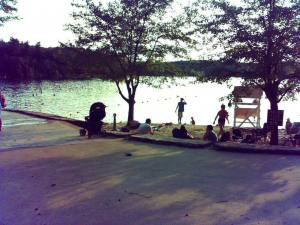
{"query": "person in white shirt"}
(145, 128)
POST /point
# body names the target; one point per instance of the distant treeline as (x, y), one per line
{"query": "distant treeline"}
(20, 61)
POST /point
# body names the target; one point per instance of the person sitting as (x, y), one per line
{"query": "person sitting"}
(145, 128)
(265, 131)
(237, 134)
(288, 126)
(249, 139)
(297, 137)
(183, 133)
(210, 135)
(225, 137)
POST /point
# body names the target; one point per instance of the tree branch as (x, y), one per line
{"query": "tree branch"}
(120, 91)
(285, 92)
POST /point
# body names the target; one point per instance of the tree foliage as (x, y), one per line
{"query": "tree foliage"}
(20, 61)
(262, 37)
(134, 33)
(7, 10)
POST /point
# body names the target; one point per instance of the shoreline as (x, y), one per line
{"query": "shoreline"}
(165, 129)
(165, 138)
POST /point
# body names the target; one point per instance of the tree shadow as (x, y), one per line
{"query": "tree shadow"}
(156, 185)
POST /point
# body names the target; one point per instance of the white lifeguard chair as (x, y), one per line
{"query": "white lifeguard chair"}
(247, 106)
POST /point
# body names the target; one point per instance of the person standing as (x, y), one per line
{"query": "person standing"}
(3, 104)
(180, 108)
(223, 116)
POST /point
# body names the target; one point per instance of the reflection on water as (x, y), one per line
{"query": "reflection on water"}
(73, 99)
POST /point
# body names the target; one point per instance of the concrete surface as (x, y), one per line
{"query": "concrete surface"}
(22, 131)
(75, 181)
(257, 148)
(171, 141)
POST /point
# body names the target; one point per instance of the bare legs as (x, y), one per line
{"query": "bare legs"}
(179, 119)
(221, 131)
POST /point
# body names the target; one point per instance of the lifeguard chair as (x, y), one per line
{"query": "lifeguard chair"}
(246, 106)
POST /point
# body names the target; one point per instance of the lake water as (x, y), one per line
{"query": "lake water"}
(73, 98)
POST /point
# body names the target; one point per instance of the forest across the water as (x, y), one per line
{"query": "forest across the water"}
(20, 61)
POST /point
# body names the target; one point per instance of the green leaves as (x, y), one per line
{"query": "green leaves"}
(264, 33)
(134, 31)
(7, 11)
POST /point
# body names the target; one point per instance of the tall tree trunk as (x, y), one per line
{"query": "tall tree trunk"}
(274, 129)
(131, 103)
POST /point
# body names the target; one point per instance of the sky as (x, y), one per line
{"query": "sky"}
(44, 20)
(41, 21)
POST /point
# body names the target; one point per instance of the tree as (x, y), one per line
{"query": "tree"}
(7, 10)
(261, 38)
(133, 34)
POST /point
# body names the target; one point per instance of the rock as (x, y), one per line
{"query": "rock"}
(53, 185)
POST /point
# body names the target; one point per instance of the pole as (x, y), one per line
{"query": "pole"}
(115, 122)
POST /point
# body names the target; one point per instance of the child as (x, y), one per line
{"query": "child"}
(193, 121)
(223, 115)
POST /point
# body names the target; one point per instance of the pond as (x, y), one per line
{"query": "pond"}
(73, 98)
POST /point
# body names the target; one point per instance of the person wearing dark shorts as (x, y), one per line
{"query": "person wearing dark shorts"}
(222, 116)
(180, 107)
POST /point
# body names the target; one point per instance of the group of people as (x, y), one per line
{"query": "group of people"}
(146, 128)
(210, 135)
(222, 115)
(222, 136)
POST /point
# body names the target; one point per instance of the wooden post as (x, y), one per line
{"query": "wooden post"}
(115, 122)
